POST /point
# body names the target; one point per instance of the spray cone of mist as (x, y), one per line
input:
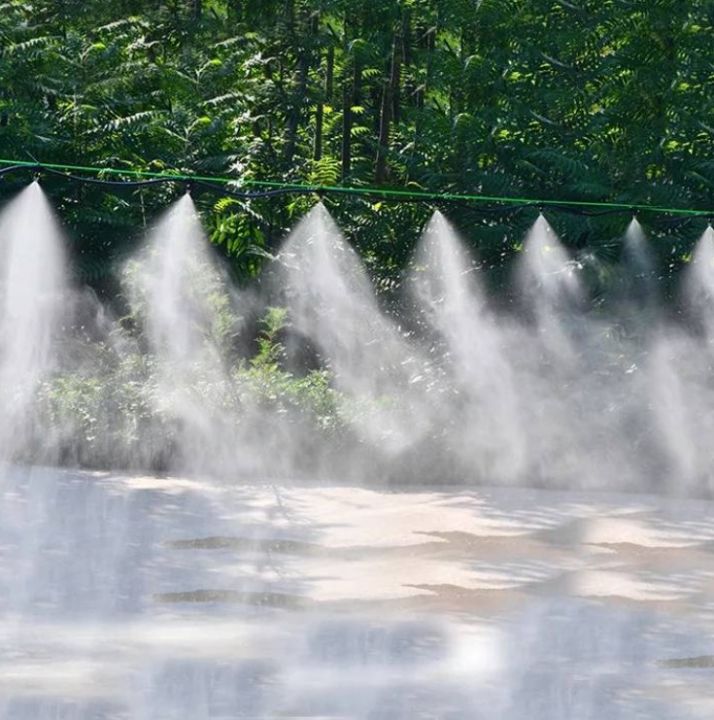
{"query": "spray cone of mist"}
(481, 409)
(214, 593)
(331, 302)
(178, 294)
(314, 379)
(33, 293)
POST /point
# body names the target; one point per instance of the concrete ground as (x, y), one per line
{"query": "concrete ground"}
(165, 598)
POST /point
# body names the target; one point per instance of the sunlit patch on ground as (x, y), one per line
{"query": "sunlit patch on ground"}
(150, 597)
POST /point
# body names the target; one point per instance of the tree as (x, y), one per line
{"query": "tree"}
(589, 100)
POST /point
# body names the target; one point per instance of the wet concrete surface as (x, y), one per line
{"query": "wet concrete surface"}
(165, 598)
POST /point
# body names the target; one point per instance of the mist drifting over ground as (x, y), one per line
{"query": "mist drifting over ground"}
(294, 503)
(457, 389)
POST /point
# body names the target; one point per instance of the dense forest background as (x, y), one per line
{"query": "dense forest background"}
(566, 99)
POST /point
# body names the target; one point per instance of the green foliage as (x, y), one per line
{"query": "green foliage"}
(265, 380)
(591, 100)
(270, 351)
(104, 413)
(115, 410)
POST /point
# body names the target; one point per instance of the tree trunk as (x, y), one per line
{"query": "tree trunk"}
(298, 98)
(350, 97)
(402, 56)
(320, 112)
(295, 112)
(430, 41)
(289, 16)
(380, 174)
(407, 37)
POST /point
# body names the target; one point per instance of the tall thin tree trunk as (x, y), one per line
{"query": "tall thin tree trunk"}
(295, 112)
(289, 17)
(400, 58)
(347, 131)
(380, 173)
(298, 99)
(326, 98)
(430, 38)
(350, 97)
